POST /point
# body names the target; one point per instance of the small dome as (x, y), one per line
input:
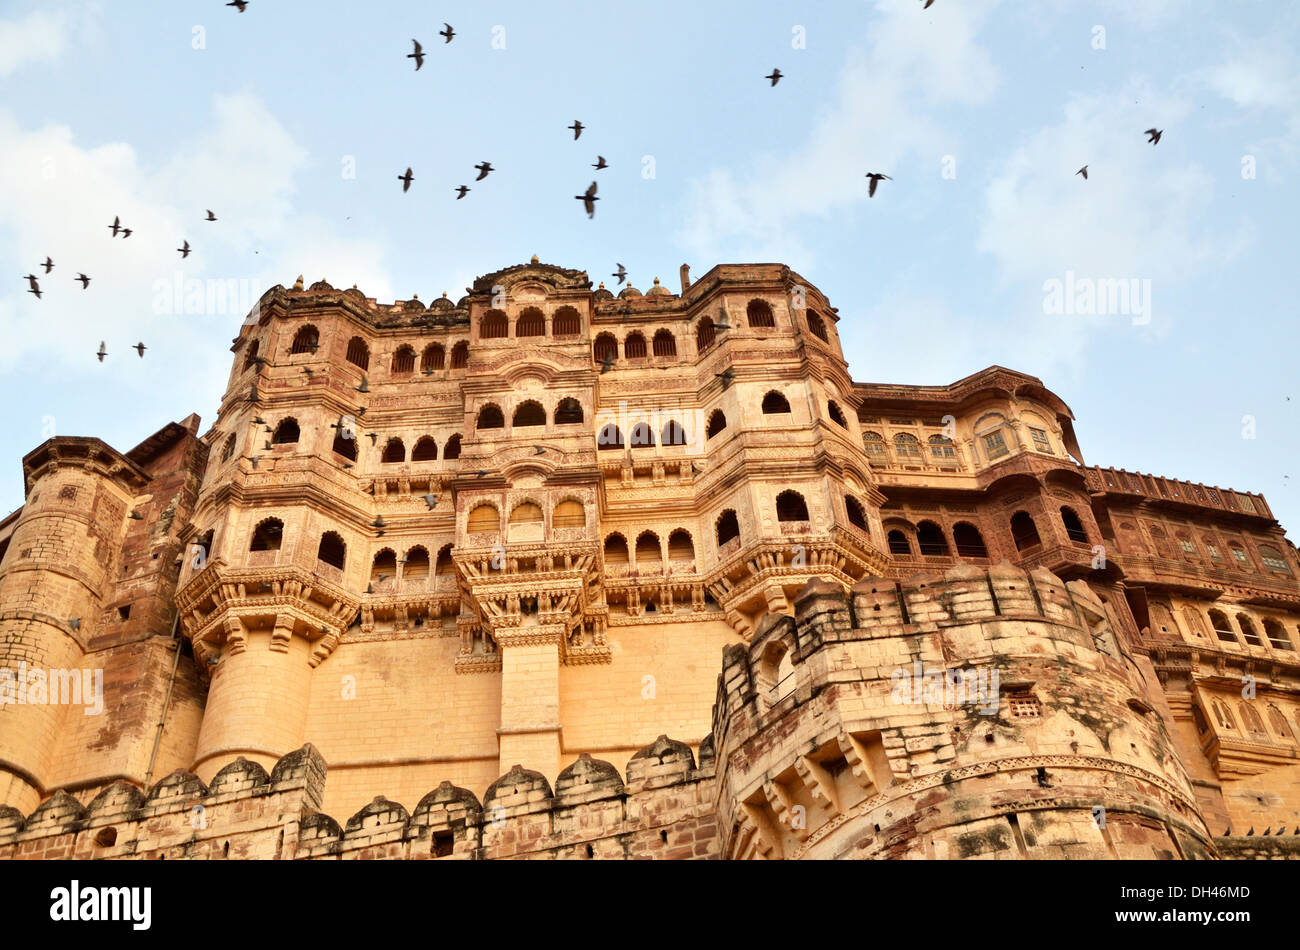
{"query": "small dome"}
(353, 292)
(411, 305)
(658, 291)
(602, 294)
(462, 303)
(534, 260)
(442, 303)
(297, 284)
(321, 285)
(629, 291)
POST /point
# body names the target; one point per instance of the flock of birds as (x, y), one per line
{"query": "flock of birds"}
(588, 197)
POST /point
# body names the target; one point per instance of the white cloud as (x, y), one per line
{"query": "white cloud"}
(57, 198)
(877, 117)
(42, 36)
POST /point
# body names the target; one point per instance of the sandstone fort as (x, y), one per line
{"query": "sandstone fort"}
(550, 572)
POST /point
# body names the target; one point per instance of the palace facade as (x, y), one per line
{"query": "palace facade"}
(435, 568)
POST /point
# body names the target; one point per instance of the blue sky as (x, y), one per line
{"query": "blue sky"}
(981, 110)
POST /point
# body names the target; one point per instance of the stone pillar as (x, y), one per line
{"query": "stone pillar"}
(257, 702)
(61, 556)
(530, 697)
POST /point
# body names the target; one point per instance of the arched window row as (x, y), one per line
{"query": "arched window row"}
(529, 322)
(929, 539)
(486, 518)
(649, 548)
(405, 359)
(662, 344)
(531, 413)
(644, 435)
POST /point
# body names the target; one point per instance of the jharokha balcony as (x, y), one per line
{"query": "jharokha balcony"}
(1157, 488)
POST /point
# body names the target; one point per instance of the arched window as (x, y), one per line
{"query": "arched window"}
(531, 322)
(968, 540)
(1277, 635)
(385, 563)
(642, 435)
(451, 451)
(907, 446)
(483, 519)
(250, 356)
(717, 422)
(857, 516)
(529, 413)
(664, 344)
(1023, 531)
(673, 433)
(491, 417)
(306, 340)
(837, 417)
(759, 314)
(358, 353)
(1273, 559)
(680, 546)
(941, 447)
(874, 444)
(332, 550)
(1073, 526)
(605, 349)
(609, 437)
(394, 451)
(1248, 631)
(403, 361)
(930, 539)
(444, 565)
(704, 333)
(415, 564)
(774, 404)
(568, 412)
(433, 357)
(1161, 541)
(634, 346)
(727, 527)
(569, 514)
(1222, 626)
(898, 543)
(647, 548)
(286, 433)
(460, 355)
(1224, 715)
(566, 322)
(790, 506)
(1250, 719)
(345, 444)
(494, 325)
(1239, 555)
(526, 522)
(818, 326)
(426, 450)
(228, 449)
(1279, 723)
(267, 535)
(1195, 622)
(616, 549)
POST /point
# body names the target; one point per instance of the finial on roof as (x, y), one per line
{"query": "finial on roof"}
(656, 281)
(444, 293)
(354, 286)
(602, 286)
(415, 296)
(535, 259)
(297, 284)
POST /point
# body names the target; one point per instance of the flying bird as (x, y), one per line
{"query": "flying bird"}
(378, 522)
(85, 281)
(928, 3)
(463, 191)
(727, 375)
(447, 33)
(35, 288)
(1084, 172)
(589, 200)
(115, 226)
(577, 129)
(1154, 135)
(211, 216)
(431, 500)
(365, 385)
(140, 348)
(606, 364)
(406, 180)
(372, 436)
(621, 273)
(184, 249)
(240, 5)
(600, 163)
(102, 352)
(48, 265)
(126, 233)
(253, 459)
(483, 169)
(775, 76)
(418, 55)
(876, 178)
(538, 450)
